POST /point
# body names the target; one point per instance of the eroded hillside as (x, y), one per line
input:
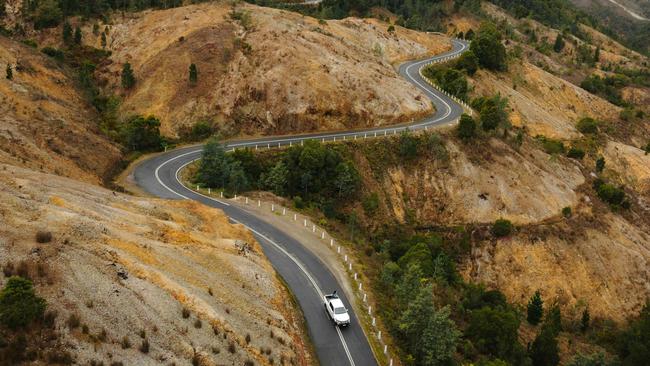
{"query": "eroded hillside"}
(265, 70)
(176, 274)
(46, 123)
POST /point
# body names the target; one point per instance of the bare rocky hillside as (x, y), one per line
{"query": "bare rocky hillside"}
(119, 270)
(271, 71)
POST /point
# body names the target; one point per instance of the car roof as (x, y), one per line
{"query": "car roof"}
(337, 303)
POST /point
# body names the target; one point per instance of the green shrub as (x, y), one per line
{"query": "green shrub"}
(54, 53)
(142, 133)
(613, 195)
(466, 127)
(634, 343)
(370, 203)
(552, 146)
(501, 228)
(30, 42)
(128, 78)
(600, 164)
(494, 332)
(566, 212)
(587, 125)
(19, 304)
(575, 153)
(489, 50)
(298, 202)
(647, 148)
(408, 145)
(468, 62)
(197, 132)
(535, 309)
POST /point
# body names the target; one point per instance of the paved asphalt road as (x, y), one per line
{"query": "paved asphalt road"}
(305, 274)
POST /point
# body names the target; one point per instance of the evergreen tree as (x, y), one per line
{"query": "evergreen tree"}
(193, 74)
(544, 350)
(466, 127)
(77, 36)
(468, 62)
(10, 73)
(103, 40)
(128, 79)
(535, 308)
(584, 321)
(469, 35)
(67, 33)
(559, 43)
(553, 319)
(214, 166)
(47, 14)
(237, 180)
(597, 54)
(600, 164)
(490, 115)
(276, 180)
(488, 48)
(142, 133)
(19, 304)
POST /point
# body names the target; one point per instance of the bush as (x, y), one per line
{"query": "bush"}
(128, 78)
(43, 236)
(494, 331)
(144, 347)
(197, 132)
(634, 343)
(468, 62)
(73, 321)
(466, 127)
(47, 14)
(19, 304)
(587, 125)
(370, 203)
(502, 228)
(552, 146)
(142, 133)
(54, 53)
(575, 153)
(488, 48)
(408, 145)
(566, 212)
(298, 202)
(613, 195)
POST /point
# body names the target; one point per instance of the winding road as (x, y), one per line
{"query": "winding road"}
(306, 275)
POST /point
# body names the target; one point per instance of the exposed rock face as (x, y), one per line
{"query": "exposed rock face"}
(126, 265)
(278, 72)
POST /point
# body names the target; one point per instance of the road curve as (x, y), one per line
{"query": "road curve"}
(306, 275)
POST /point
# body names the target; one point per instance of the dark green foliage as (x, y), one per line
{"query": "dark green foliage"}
(611, 194)
(451, 80)
(103, 40)
(141, 133)
(67, 33)
(128, 79)
(596, 359)
(607, 87)
(77, 36)
(214, 165)
(535, 309)
(501, 228)
(544, 350)
(566, 212)
(558, 46)
(19, 304)
(470, 35)
(634, 344)
(584, 320)
(587, 125)
(54, 53)
(647, 148)
(197, 132)
(391, 29)
(489, 50)
(468, 62)
(596, 54)
(420, 255)
(370, 203)
(600, 164)
(408, 145)
(30, 42)
(47, 14)
(193, 74)
(575, 153)
(466, 127)
(553, 321)
(492, 111)
(9, 73)
(2, 7)
(494, 331)
(476, 297)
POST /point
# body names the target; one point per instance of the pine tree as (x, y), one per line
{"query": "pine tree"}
(559, 43)
(67, 33)
(466, 127)
(597, 54)
(535, 308)
(600, 164)
(544, 350)
(128, 79)
(584, 322)
(193, 74)
(77, 36)
(103, 40)
(10, 73)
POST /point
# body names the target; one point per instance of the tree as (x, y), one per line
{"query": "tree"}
(193, 74)
(128, 79)
(77, 36)
(214, 166)
(276, 179)
(544, 351)
(19, 304)
(494, 331)
(466, 127)
(410, 284)
(408, 145)
(142, 133)
(103, 40)
(47, 14)
(553, 320)
(237, 180)
(420, 255)
(584, 320)
(67, 33)
(468, 62)
(488, 48)
(597, 54)
(10, 73)
(347, 180)
(558, 46)
(587, 125)
(634, 343)
(391, 29)
(490, 115)
(600, 164)
(431, 335)
(535, 309)
(469, 35)
(596, 359)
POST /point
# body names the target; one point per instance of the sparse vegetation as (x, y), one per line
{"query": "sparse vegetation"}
(43, 236)
(126, 343)
(144, 346)
(501, 228)
(587, 125)
(19, 304)
(185, 313)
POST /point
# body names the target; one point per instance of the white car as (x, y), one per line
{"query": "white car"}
(336, 310)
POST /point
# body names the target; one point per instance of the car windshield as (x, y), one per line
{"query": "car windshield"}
(340, 311)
